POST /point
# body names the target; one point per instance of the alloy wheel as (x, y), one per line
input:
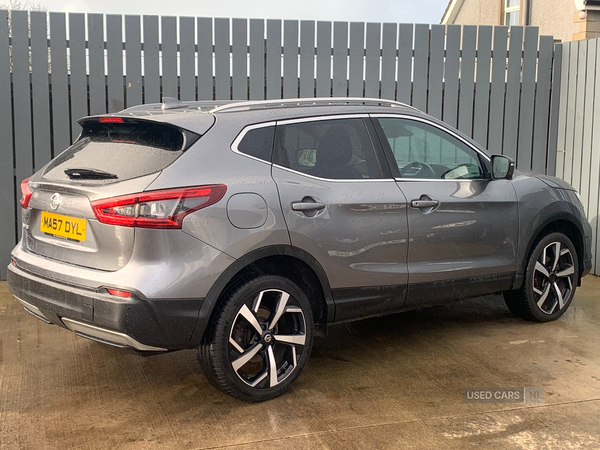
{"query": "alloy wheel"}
(267, 338)
(553, 278)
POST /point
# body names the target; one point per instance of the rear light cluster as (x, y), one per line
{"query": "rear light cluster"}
(25, 193)
(157, 209)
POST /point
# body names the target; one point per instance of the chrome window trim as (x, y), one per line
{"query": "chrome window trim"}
(429, 122)
(343, 180)
(456, 180)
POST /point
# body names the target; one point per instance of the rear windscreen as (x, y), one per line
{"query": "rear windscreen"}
(118, 151)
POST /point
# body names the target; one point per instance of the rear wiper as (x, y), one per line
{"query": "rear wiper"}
(89, 174)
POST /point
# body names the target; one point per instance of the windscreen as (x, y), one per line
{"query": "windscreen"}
(118, 151)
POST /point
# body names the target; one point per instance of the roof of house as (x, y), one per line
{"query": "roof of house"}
(451, 11)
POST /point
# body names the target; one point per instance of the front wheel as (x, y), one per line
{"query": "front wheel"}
(550, 281)
(260, 340)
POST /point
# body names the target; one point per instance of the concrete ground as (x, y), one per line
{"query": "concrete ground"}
(392, 382)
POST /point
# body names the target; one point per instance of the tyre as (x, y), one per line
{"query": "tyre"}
(550, 281)
(260, 339)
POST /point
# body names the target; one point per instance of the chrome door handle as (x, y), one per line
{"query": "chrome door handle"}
(424, 203)
(307, 206)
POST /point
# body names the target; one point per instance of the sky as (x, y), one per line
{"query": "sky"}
(409, 11)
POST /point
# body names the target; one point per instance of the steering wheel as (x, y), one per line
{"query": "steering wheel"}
(418, 169)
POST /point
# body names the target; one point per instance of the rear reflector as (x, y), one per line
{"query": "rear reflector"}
(157, 209)
(111, 120)
(25, 193)
(118, 293)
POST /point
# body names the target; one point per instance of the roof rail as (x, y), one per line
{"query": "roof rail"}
(317, 101)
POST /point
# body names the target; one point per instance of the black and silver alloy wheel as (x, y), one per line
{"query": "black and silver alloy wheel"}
(261, 339)
(553, 277)
(550, 281)
(267, 338)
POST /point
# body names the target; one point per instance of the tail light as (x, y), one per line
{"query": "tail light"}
(25, 193)
(157, 209)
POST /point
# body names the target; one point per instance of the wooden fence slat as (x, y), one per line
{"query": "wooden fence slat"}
(405, 63)
(273, 58)
(169, 56)
(525, 140)
(222, 60)
(482, 87)
(290, 59)
(513, 92)
(340, 59)
(452, 74)
(579, 118)
(571, 111)
(40, 93)
(60, 90)
(557, 74)
(588, 119)
(542, 105)
(257, 59)
(467, 80)
(594, 193)
(498, 90)
(133, 61)
(323, 59)
(436, 70)
(114, 50)
(388, 61)
(565, 88)
(21, 106)
(151, 60)
(187, 59)
(372, 60)
(239, 59)
(356, 64)
(307, 59)
(8, 190)
(419, 96)
(205, 58)
(78, 72)
(97, 77)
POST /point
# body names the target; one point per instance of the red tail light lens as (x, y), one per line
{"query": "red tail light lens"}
(118, 293)
(157, 209)
(110, 120)
(25, 193)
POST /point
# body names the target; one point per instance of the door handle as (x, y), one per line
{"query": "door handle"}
(307, 206)
(424, 203)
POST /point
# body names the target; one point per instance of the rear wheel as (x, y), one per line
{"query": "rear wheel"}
(260, 340)
(550, 281)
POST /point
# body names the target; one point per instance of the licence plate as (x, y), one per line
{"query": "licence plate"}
(63, 226)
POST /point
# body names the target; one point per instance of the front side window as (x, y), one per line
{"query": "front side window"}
(424, 151)
(334, 149)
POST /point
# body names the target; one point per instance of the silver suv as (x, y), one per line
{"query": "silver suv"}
(243, 229)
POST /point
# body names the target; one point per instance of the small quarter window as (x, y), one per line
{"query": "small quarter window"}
(258, 142)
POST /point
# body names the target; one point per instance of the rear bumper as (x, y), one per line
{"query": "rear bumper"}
(134, 322)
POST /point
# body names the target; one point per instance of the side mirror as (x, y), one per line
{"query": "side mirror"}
(503, 167)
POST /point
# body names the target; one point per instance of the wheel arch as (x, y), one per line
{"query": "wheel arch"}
(284, 260)
(562, 222)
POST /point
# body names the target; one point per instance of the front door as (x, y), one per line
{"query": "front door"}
(340, 210)
(462, 224)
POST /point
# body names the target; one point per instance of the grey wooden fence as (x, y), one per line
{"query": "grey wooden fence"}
(578, 153)
(56, 68)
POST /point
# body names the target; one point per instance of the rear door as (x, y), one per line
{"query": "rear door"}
(344, 211)
(463, 225)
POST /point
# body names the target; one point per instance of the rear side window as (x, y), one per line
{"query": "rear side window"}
(119, 151)
(335, 149)
(258, 142)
